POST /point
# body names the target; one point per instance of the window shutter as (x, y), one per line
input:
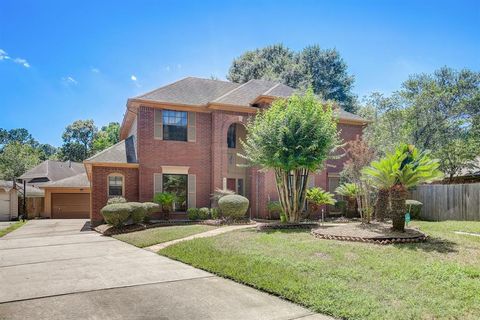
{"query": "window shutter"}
(157, 183)
(158, 126)
(191, 127)
(192, 191)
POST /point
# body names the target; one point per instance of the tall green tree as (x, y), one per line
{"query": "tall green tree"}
(322, 69)
(16, 158)
(293, 137)
(106, 137)
(78, 140)
(443, 115)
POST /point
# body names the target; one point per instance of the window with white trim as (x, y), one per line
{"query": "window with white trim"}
(115, 186)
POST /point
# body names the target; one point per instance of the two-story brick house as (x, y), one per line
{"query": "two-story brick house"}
(184, 138)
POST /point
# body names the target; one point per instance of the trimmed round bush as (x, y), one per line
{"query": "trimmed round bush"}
(151, 208)
(203, 213)
(233, 206)
(137, 212)
(116, 200)
(116, 214)
(192, 213)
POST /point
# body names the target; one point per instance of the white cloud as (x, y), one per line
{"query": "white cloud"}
(69, 80)
(3, 55)
(133, 77)
(95, 70)
(22, 62)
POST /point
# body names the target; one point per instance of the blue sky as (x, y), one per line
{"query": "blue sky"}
(68, 60)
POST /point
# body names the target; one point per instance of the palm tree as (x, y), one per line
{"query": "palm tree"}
(349, 191)
(406, 168)
(381, 176)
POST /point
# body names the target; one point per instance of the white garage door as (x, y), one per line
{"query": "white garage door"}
(4, 206)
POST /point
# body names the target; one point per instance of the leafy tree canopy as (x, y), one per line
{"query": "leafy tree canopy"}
(78, 140)
(322, 69)
(106, 137)
(438, 112)
(16, 158)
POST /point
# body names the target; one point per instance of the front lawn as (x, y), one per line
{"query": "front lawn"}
(153, 236)
(12, 227)
(439, 279)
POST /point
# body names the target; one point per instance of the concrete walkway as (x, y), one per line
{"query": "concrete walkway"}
(206, 234)
(59, 269)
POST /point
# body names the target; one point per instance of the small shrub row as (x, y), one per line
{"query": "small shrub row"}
(118, 214)
(231, 207)
(198, 213)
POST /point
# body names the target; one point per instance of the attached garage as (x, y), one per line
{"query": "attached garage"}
(70, 205)
(68, 198)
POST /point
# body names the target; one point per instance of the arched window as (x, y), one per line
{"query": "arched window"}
(232, 136)
(115, 185)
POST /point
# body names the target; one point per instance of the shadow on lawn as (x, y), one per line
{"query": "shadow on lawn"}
(433, 244)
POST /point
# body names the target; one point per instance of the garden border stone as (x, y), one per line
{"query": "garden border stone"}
(286, 226)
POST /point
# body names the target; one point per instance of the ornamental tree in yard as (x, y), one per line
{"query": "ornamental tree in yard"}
(400, 171)
(293, 137)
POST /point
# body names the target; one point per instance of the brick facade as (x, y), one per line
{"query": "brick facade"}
(99, 188)
(206, 158)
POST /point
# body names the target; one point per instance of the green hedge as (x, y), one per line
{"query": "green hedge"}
(119, 214)
(233, 206)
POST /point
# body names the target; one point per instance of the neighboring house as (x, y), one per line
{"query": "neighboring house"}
(66, 187)
(11, 198)
(184, 138)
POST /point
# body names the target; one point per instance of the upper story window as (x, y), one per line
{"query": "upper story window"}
(174, 125)
(232, 136)
(115, 186)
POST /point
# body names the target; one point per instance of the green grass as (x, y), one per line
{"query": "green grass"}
(153, 236)
(12, 227)
(439, 279)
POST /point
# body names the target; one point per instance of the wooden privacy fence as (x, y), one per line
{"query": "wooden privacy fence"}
(449, 201)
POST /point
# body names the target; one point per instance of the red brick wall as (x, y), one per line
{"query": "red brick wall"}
(152, 154)
(99, 189)
(348, 132)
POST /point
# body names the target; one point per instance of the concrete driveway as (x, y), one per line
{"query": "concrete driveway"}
(59, 269)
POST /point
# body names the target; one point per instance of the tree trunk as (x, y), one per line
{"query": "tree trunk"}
(399, 208)
(381, 207)
(291, 188)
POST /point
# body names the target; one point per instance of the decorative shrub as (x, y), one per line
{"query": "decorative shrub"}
(233, 206)
(137, 212)
(218, 193)
(215, 213)
(203, 213)
(192, 213)
(116, 200)
(274, 209)
(165, 200)
(150, 208)
(116, 214)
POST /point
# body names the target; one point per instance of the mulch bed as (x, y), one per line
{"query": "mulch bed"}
(286, 225)
(379, 233)
(108, 230)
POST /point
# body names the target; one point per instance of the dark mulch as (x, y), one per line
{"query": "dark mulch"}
(286, 225)
(374, 232)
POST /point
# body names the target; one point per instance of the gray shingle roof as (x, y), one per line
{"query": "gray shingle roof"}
(122, 152)
(191, 91)
(54, 170)
(246, 93)
(78, 181)
(31, 191)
